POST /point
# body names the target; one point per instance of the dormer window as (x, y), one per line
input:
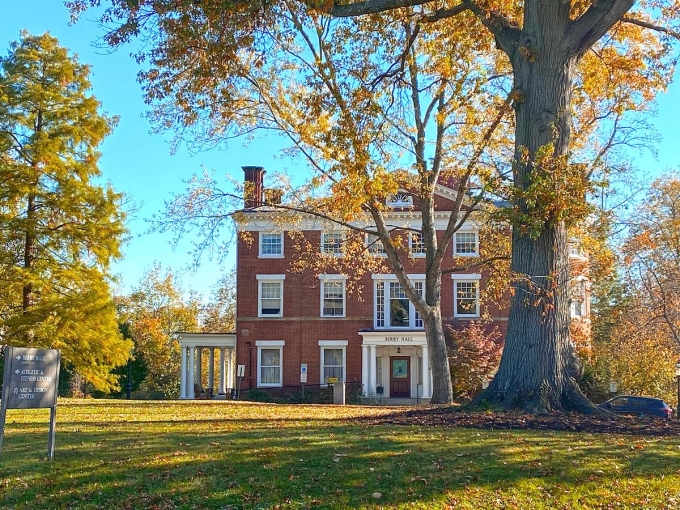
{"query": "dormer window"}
(399, 199)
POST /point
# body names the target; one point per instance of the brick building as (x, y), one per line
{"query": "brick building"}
(288, 320)
(302, 326)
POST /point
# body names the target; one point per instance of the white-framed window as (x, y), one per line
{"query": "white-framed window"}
(392, 308)
(465, 295)
(416, 246)
(375, 246)
(270, 295)
(577, 304)
(270, 362)
(333, 360)
(466, 244)
(399, 199)
(332, 295)
(271, 245)
(331, 242)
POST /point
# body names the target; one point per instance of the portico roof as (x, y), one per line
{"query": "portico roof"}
(188, 339)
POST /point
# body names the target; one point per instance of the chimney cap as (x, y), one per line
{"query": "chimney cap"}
(251, 168)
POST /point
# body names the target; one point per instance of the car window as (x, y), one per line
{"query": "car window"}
(619, 402)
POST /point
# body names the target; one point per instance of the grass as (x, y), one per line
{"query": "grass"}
(200, 455)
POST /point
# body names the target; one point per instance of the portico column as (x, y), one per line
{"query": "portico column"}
(230, 368)
(221, 389)
(183, 373)
(211, 368)
(191, 379)
(427, 391)
(372, 369)
(364, 369)
(199, 359)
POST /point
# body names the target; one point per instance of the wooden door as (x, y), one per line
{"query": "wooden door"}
(400, 377)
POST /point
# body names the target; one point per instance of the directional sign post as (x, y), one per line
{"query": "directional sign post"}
(30, 381)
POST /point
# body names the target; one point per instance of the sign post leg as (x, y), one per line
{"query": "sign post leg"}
(53, 427)
(3, 414)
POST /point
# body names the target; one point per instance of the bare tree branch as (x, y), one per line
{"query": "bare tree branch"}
(583, 32)
(651, 26)
(372, 7)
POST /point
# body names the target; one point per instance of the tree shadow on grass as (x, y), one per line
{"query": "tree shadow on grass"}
(219, 464)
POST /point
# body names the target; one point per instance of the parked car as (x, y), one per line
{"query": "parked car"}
(638, 406)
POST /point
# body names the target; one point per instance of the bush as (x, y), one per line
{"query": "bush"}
(474, 354)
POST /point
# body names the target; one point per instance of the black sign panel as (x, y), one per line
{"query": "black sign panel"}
(31, 378)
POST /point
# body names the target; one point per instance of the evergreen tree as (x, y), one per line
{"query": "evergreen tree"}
(59, 231)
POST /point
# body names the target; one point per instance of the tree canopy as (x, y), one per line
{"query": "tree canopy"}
(59, 230)
(362, 89)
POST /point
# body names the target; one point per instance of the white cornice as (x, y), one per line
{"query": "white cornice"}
(260, 220)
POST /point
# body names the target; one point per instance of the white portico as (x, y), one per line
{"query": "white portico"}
(192, 349)
(396, 361)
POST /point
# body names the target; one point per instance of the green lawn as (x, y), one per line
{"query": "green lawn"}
(196, 455)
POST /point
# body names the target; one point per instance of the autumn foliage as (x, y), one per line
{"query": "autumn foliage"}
(474, 353)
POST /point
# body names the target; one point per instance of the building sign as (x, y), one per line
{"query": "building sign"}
(30, 380)
(398, 339)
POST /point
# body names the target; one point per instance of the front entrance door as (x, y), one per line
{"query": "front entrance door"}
(400, 380)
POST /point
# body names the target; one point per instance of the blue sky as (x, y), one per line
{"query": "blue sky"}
(140, 164)
(133, 160)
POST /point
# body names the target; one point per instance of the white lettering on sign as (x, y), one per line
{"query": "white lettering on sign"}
(398, 339)
(32, 372)
(25, 396)
(30, 357)
(38, 378)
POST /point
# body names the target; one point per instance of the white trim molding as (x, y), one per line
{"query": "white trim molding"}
(269, 344)
(270, 255)
(268, 279)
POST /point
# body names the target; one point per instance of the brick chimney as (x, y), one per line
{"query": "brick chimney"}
(253, 186)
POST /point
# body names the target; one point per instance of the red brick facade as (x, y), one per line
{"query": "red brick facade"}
(301, 332)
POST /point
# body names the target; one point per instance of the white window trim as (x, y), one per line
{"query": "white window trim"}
(583, 281)
(389, 278)
(411, 277)
(344, 238)
(269, 278)
(400, 199)
(332, 344)
(270, 255)
(333, 278)
(410, 245)
(476, 253)
(465, 278)
(269, 344)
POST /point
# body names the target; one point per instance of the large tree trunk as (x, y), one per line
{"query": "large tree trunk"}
(538, 367)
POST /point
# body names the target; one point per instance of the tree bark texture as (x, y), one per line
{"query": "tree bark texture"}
(538, 367)
(442, 390)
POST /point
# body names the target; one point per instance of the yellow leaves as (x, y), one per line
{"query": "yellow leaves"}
(555, 191)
